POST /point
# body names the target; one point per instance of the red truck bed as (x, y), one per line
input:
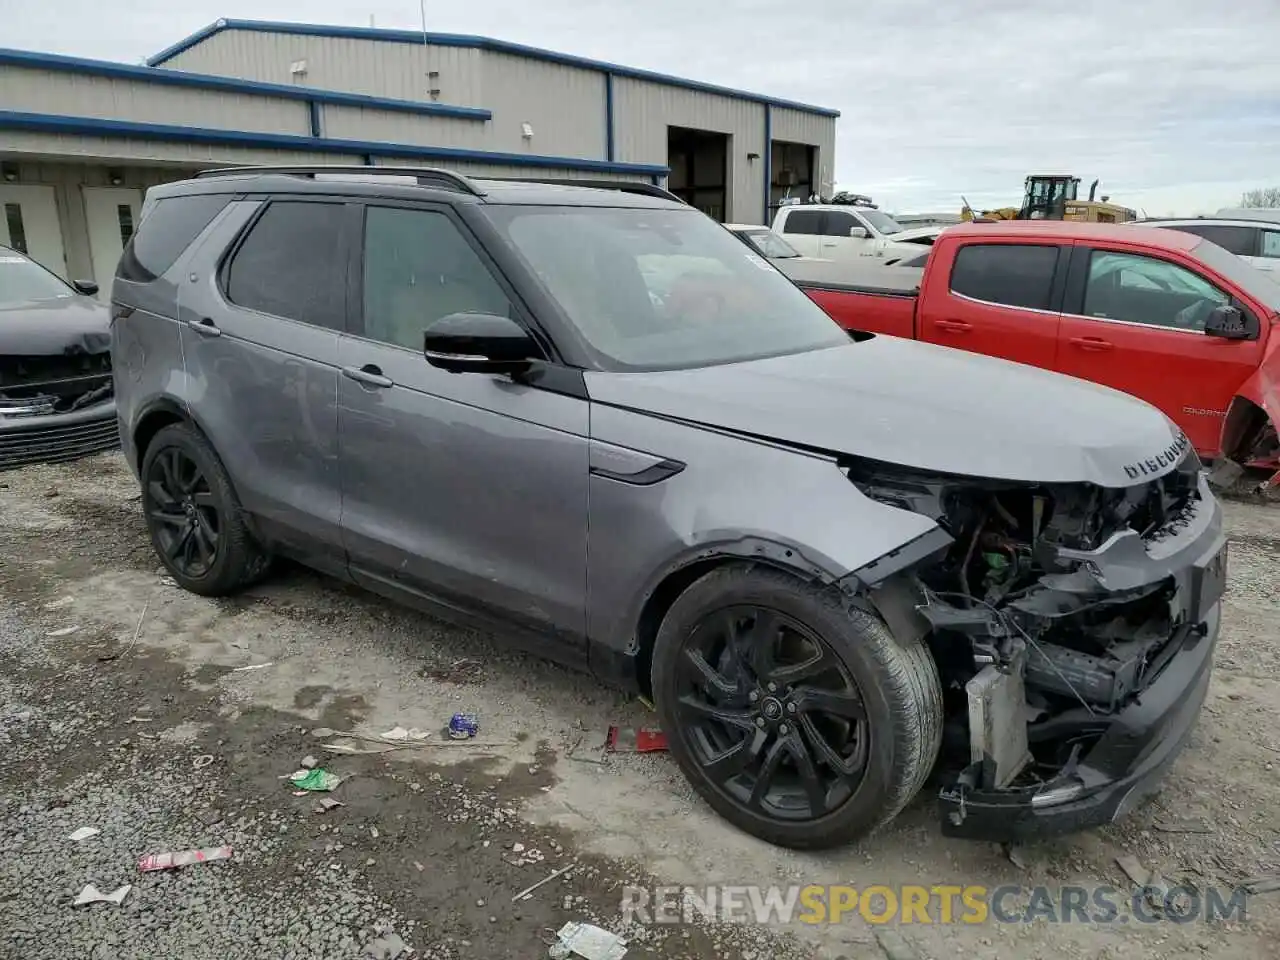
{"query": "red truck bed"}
(870, 297)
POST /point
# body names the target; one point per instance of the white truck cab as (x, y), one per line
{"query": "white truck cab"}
(841, 232)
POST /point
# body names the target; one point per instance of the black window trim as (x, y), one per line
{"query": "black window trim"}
(233, 249)
(1057, 285)
(1073, 305)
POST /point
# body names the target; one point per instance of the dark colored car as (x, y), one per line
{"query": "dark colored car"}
(56, 392)
(595, 422)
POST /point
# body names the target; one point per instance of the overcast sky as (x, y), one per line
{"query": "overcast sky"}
(1174, 104)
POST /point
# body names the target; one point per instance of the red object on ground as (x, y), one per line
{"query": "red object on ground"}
(184, 858)
(627, 740)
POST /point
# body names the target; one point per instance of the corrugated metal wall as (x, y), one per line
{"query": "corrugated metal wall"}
(400, 70)
(481, 170)
(564, 105)
(387, 126)
(643, 111)
(109, 98)
(799, 127)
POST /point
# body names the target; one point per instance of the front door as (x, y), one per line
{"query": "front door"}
(29, 224)
(469, 489)
(112, 215)
(836, 243)
(1137, 324)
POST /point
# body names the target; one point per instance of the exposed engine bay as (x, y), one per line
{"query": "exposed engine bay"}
(1051, 609)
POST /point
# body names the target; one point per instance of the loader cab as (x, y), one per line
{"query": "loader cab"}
(1046, 196)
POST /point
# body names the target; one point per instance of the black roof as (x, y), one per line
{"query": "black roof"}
(409, 182)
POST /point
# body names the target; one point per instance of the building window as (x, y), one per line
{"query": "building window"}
(17, 232)
(124, 213)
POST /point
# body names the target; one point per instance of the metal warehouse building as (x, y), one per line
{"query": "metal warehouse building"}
(81, 139)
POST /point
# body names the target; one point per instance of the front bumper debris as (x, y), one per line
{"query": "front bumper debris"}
(1125, 764)
(1112, 749)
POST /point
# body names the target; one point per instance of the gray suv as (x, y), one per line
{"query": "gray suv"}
(587, 416)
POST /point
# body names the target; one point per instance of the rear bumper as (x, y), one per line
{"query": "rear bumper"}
(58, 437)
(1122, 767)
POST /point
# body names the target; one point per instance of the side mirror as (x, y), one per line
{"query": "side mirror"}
(87, 287)
(858, 233)
(1231, 323)
(479, 343)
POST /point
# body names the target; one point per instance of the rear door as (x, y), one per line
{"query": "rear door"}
(466, 488)
(260, 327)
(1135, 322)
(803, 229)
(1002, 299)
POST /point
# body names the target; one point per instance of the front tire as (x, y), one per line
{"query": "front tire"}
(798, 718)
(196, 522)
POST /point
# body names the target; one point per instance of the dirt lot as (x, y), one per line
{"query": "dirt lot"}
(99, 730)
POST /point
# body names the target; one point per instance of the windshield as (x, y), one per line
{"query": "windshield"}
(769, 244)
(881, 221)
(1244, 275)
(659, 289)
(22, 280)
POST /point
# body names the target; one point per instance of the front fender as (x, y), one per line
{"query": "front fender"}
(735, 498)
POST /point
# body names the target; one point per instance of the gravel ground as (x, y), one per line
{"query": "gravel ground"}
(99, 729)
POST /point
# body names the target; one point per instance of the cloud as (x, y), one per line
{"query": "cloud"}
(1170, 102)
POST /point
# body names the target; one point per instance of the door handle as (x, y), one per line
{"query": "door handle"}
(1091, 343)
(205, 327)
(828, 243)
(369, 374)
(953, 326)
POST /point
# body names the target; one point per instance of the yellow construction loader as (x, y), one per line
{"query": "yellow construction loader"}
(1052, 196)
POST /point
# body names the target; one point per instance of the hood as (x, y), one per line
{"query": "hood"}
(922, 406)
(66, 325)
(916, 234)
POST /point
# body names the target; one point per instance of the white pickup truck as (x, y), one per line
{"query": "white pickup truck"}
(842, 232)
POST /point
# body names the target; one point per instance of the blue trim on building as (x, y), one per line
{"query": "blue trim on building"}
(476, 43)
(608, 117)
(180, 78)
(768, 160)
(317, 122)
(90, 126)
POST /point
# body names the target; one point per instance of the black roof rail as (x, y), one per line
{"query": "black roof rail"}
(623, 186)
(426, 176)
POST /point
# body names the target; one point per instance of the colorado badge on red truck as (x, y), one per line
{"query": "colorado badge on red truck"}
(1168, 317)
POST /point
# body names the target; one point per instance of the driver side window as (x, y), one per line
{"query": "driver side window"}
(418, 267)
(1138, 289)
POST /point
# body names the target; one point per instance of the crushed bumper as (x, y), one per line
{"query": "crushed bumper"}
(59, 436)
(1118, 757)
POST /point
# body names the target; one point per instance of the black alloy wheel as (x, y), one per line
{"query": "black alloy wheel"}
(775, 719)
(184, 513)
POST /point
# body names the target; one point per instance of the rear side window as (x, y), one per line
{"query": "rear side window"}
(293, 264)
(1270, 243)
(1016, 275)
(807, 222)
(164, 233)
(1242, 241)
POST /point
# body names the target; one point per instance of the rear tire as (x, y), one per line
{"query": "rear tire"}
(865, 769)
(197, 525)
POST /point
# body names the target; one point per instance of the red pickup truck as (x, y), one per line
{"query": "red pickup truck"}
(1165, 316)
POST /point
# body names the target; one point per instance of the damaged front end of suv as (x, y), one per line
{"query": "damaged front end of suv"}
(1073, 626)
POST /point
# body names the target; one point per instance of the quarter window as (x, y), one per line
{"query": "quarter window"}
(292, 264)
(1270, 243)
(418, 267)
(1137, 289)
(1016, 275)
(163, 234)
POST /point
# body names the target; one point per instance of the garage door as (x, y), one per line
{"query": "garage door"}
(29, 224)
(112, 216)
